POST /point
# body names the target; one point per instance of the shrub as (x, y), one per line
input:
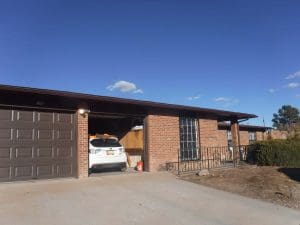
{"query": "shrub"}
(277, 153)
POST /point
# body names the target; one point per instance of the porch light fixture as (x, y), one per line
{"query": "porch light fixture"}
(84, 112)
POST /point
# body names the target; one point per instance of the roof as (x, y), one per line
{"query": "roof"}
(245, 127)
(45, 98)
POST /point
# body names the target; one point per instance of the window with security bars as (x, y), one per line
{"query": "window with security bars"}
(188, 138)
(229, 139)
(252, 137)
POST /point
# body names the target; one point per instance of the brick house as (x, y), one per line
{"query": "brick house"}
(247, 133)
(44, 133)
(275, 134)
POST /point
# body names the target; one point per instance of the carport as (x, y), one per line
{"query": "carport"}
(128, 129)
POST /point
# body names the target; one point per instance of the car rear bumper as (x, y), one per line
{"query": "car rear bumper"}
(117, 160)
(108, 165)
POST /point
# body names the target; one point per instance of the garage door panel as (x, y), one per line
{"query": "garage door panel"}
(63, 125)
(45, 171)
(64, 152)
(45, 153)
(25, 134)
(44, 117)
(5, 173)
(66, 134)
(5, 153)
(25, 116)
(6, 134)
(22, 153)
(64, 118)
(36, 145)
(64, 170)
(6, 124)
(45, 134)
(5, 115)
(24, 171)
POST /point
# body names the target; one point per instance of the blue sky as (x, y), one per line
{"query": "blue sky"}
(232, 55)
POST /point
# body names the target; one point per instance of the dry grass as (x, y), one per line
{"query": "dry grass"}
(273, 184)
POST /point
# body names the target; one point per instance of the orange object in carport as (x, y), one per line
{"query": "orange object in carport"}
(139, 166)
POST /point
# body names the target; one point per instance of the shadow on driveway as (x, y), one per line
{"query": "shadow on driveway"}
(110, 171)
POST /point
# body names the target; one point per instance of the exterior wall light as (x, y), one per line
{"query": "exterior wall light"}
(84, 112)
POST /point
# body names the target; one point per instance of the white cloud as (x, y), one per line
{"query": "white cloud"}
(222, 99)
(192, 98)
(138, 91)
(226, 102)
(292, 85)
(124, 86)
(293, 75)
(271, 90)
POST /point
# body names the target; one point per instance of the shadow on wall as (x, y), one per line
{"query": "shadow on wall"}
(292, 173)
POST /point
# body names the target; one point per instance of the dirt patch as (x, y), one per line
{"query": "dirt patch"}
(273, 184)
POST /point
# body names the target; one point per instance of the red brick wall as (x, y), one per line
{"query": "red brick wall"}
(82, 145)
(209, 134)
(162, 139)
(259, 136)
(275, 134)
(222, 138)
(244, 137)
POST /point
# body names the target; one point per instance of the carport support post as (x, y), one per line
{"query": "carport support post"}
(82, 145)
(235, 141)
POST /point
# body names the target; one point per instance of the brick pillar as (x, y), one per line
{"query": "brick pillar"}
(82, 145)
(235, 139)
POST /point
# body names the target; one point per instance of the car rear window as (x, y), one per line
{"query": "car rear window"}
(105, 143)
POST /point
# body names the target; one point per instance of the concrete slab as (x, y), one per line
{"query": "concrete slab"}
(145, 198)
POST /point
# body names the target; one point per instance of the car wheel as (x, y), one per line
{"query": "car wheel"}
(123, 169)
(90, 170)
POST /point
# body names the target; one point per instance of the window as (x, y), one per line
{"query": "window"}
(229, 138)
(252, 136)
(188, 138)
(107, 142)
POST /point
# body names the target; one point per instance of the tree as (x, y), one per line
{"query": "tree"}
(287, 118)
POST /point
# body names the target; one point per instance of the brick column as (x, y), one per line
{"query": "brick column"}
(82, 145)
(235, 139)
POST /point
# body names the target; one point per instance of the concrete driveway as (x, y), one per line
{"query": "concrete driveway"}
(148, 198)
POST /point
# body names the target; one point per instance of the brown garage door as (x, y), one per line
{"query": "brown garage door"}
(36, 145)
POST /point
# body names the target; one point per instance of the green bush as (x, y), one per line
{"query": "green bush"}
(277, 153)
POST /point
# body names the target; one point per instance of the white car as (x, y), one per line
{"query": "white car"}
(106, 152)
